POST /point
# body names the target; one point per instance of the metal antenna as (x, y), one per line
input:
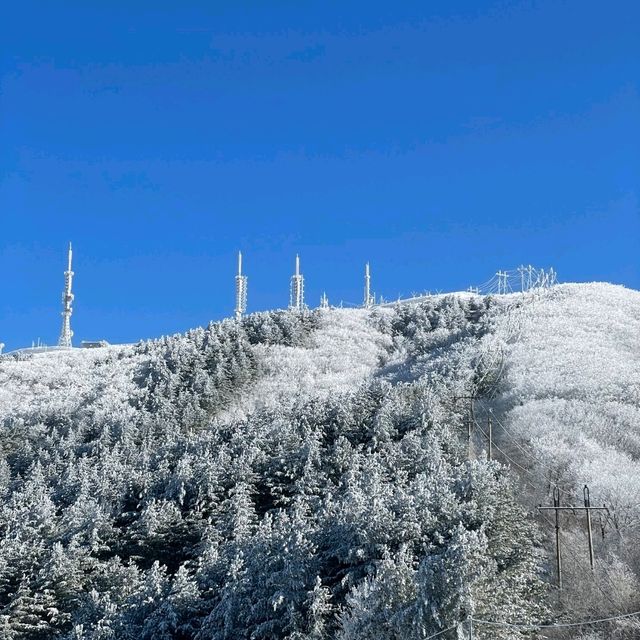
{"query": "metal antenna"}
(241, 290)
(369, 299)
(67, 300)
(296, 296)
(324, 301)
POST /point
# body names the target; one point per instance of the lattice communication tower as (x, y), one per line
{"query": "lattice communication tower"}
(369, 299)
(67, 309)
(296, 296)
(241, 290)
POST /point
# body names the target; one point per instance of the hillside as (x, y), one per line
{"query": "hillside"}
(309, 475)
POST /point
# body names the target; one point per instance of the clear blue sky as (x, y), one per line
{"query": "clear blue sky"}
(439, 140)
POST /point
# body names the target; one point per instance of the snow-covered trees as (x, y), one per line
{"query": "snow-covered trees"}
(299, 476)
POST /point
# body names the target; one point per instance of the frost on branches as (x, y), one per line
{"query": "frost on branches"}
(290, 475)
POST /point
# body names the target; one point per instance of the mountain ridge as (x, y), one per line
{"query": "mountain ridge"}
(309, 473)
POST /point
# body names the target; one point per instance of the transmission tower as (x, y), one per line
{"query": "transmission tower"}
(296, 297)
(369, 299)
(324, 301)
(241, 290)
(522, 270)
(67, 300)
(502, 281)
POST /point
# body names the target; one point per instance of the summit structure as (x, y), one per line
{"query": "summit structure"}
(369, 299)
(67, 301)
(241, 290)
(296, 297)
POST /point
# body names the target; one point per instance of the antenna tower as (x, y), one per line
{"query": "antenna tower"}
(241, 290)
(296, 297)
(67, 300)
(324, 301)
(369, 300)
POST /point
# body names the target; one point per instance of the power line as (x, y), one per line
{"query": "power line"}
(557, 625)
(514, 440)
(435, 635)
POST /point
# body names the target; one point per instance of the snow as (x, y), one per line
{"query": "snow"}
(345, 351)
(65, 381)
(571, 390)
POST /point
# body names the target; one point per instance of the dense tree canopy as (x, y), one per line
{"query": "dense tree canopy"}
(209, 486)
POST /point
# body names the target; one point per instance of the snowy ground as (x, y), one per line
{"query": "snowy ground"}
(344, 351)
(65, 381)
(571, 393)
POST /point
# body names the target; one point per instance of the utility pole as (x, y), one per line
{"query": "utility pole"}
(521, 270)
(490, 434)
(470, 421)
(587, 506)
(557, 508)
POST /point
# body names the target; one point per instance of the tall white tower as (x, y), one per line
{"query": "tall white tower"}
(324, 301)
(296, 297)
(241, 290)
(67, 300)
(369, 300)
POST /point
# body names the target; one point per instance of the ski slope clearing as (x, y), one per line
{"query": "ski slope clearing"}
(344, 351)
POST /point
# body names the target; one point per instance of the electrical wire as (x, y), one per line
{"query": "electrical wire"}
(435, 635)
(557, 625)
(612, 585)
(514, 440)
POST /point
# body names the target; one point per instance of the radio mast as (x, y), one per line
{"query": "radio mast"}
(241, 290)
(369, 300)
(67, 300)
(296, 297)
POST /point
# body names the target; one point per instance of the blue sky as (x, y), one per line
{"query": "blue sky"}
(441, 141)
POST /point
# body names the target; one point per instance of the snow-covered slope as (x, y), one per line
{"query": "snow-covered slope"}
(571, 392)
(64, 382)
(319, 461)
(345, 350)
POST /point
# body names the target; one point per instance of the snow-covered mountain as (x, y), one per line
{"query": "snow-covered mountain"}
(311, 476)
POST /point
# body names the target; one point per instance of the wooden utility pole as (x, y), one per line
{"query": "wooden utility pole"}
(557, 508)
(587, 507)
(490, 434)
(470, 421)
